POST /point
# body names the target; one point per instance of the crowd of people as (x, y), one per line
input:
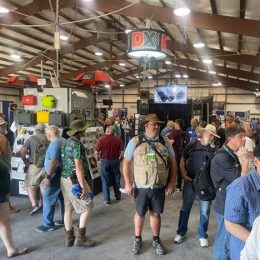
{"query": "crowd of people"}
(164, 160)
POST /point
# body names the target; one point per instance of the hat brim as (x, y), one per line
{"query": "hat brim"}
(76, 130)
(159, 122)
(212, 133)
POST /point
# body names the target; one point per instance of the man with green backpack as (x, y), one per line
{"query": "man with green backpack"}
(33, 154)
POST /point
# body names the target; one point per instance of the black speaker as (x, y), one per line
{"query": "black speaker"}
(143, 109)
(144, 94)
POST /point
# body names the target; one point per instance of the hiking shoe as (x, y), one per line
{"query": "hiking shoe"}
(159, 249)
(137, 248)
(204, 242)
(34, 209)
(179, 239)
(58, 223)
(42, 229)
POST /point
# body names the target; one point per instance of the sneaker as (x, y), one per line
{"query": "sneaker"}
(159, 249)
(58, 223)
(137, 248)
(179, 239)
(178, 190)
(106, 203)
(42, 229)
(34, 209)
(204, 242)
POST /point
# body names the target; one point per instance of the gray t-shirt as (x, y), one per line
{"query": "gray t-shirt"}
(30, 145)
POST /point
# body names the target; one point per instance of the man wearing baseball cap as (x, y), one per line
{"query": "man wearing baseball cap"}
(155, 170)
(34, 174)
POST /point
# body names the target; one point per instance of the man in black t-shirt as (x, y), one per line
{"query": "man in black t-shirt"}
(193, 156)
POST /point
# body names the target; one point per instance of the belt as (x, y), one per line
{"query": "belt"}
(149, 186)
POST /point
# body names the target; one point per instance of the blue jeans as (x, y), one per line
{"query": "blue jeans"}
(221, 244)
(110, 168)
(188, 196)
(52, 193)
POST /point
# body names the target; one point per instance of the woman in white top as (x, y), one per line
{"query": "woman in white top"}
(251, 250)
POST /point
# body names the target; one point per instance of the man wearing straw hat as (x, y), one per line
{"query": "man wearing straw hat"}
(155, 170)
(73, 172)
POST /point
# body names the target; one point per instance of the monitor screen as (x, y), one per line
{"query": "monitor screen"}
(107, 102)
(170, 94)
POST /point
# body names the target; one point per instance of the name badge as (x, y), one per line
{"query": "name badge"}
(151, 157)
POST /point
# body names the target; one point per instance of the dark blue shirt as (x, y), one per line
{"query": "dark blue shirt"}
(191, 133)
(242, 207)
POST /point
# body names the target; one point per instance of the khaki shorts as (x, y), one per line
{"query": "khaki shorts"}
(34, 176)
(70, 201)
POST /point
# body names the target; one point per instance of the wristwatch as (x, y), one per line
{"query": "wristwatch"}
(48, 177)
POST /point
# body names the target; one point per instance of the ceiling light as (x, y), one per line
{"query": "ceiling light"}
(64, 37)
(199, 45)
(212, 72)
(207, 61)
(150, 77)
(107, 86)
(178, 76)
(168, 62)
(3, 10)
(15, 56)
(257, 89)
(216, 84)
(122, 85)
(183, 11)
(122, 64)
(98, 53)
(138, 77)
(128, 31)
(185, 76)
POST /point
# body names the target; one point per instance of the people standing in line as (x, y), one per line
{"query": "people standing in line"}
(225, 168)
(179, 140)
(5, 167)
(193, 156)
(74, 167)
(191, 131)
(167, 130)
(51, 190)
(242, 206)
(34, 173)
(251, 251)
(155, 170)
(108, 153)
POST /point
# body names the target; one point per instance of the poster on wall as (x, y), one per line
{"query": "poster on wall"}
(218, 105)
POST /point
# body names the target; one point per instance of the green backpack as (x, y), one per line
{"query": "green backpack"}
(39, 151)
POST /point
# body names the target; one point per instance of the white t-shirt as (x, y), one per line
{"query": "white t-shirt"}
(251, 250)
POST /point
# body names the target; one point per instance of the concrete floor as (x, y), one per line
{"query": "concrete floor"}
(112, 228)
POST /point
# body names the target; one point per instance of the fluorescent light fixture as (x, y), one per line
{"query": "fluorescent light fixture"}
(87, 0)
(216, 84)
(183, 11)
(185, 76)
(199, 45)
(168, 62)
(212, 72)
(122, 85)
(107, 86)
(150, 77)
(177, 75)
(15, 56)
(122, 64)
(64, 37)
(3, 10)
(128, 31)
(207, 61)
(98, 53)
